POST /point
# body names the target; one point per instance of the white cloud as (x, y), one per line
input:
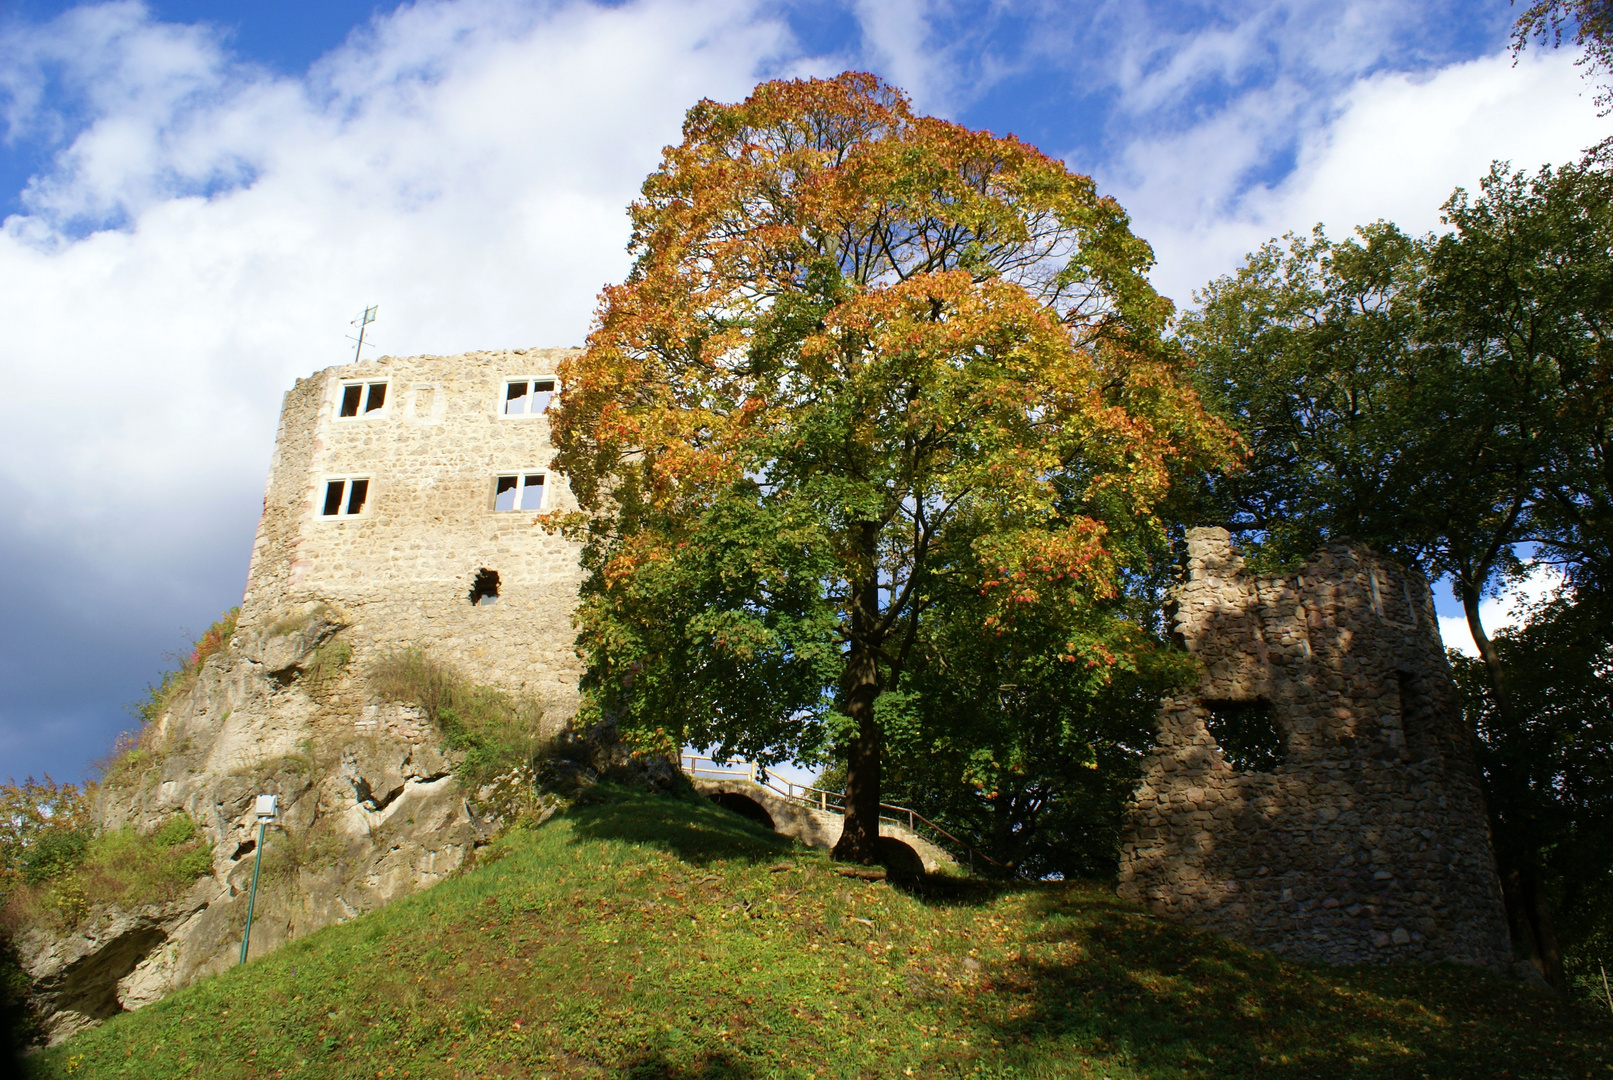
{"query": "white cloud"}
(207, 233)
(1393, 146)
(1497, 613)
(468, 178)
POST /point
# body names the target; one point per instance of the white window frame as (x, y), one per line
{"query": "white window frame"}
(322, 496)
(366, 388)
(522, 486)
(504, 396)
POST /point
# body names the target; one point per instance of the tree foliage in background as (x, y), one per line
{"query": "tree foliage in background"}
(1444, 399)
(1027, 744)
(859, 351)
(1548, 770)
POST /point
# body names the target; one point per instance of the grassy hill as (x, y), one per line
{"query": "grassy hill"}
(644, 936)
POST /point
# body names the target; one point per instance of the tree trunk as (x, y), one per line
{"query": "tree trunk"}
(1487, 651)
(859, 689)
(1549, 955)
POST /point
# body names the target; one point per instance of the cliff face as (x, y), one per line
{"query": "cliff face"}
(370, 810)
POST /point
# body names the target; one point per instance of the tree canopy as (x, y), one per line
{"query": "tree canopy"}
(861, 353)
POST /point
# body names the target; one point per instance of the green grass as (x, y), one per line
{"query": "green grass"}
(652, 937)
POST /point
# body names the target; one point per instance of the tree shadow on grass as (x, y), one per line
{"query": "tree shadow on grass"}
(946, 890)
(692, 828)
(1171, 1003)
(653, 1065)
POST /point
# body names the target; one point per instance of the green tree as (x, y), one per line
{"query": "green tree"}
(858, 347)
(1548, 769)
(1025, 742)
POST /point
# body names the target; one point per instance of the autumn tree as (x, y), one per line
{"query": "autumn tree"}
(1589, 23)
(859, 349)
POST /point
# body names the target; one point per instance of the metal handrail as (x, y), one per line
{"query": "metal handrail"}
(817, 798)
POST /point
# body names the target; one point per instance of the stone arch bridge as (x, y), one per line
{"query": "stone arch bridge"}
(815, 816)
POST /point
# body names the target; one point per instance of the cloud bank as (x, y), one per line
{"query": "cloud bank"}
(204, 229)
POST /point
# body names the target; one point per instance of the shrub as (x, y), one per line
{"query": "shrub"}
(495, 732)
(120, 867)
(326, 665)
(173, 683)
(55, 852)
(34, 810)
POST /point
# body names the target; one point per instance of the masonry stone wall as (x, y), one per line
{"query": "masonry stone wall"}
(402, 570)
(1366, 839)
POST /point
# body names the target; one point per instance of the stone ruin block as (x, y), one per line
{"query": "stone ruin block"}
(1315, 794)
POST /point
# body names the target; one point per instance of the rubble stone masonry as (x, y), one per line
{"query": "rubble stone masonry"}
(1365, 838)
(403, 568)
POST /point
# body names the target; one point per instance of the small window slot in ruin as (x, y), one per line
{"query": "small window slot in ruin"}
(1247, 733)
(1417, 717)
(345, 498)
(518, 491)
(368, 397)
(527, 397)
(484, 590)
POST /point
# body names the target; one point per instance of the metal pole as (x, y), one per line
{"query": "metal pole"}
(257, 863)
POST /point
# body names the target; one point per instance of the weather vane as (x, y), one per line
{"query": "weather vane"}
(361, 322)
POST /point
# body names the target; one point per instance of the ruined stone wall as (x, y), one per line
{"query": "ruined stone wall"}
(1365, 839)
(402, 570)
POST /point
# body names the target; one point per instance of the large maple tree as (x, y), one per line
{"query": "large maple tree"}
(859, 349)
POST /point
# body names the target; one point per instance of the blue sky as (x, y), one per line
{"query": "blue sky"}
(197, 197)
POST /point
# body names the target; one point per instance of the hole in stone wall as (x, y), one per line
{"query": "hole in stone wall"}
(243, 849)
(1417, 717)
(484, 590)
(1247, 733)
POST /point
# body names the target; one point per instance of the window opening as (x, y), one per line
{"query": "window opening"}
(1247, 733)
(521, 491)
(345, 498)
(484, 590)
(527, 397)
(371, 396)
(1417, 716)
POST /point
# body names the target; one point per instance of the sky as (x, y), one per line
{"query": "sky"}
(197, 199)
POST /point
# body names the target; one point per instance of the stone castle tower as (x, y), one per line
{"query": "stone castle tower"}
(399, 513)
(1315, 794)
(403, 492)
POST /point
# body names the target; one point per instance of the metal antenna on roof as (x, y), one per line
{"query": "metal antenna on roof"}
(361, 322)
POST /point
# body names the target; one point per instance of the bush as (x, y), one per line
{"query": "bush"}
(173, 683)
(37, 812)
(495, 732)
(54, 853)
(120, 867)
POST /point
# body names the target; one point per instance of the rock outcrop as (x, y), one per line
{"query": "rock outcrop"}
(370, 810)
